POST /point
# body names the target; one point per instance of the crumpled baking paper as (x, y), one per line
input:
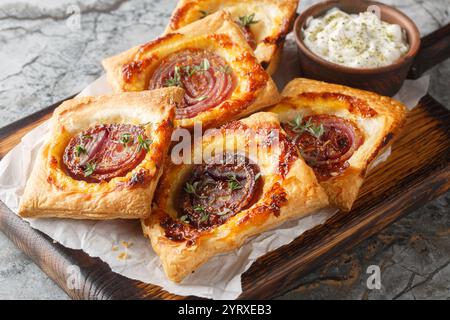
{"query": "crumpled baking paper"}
(120, 243)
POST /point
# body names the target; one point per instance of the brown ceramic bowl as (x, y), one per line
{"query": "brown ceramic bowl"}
(383, 80)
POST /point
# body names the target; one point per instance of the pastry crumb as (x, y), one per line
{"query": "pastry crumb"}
(115, 248)
(126, 244)
(123, 256)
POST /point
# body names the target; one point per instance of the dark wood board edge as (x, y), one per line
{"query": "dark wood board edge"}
(96, 279)
(32, 118)
(372, 220)
(53, 258)
(11, 134)
(370, 215)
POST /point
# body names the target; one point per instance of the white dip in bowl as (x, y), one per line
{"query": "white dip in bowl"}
(355, 40)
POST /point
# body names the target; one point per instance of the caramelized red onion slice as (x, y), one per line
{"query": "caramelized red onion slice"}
(339, 141)
(92, 143)
(215, 192)
(103, 149)
(206, 78)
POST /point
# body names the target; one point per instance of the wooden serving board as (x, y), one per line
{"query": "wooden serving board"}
(417, 171)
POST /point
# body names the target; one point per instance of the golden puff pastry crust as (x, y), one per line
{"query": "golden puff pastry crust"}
(265, 31)
(375, 120)
(212, 48)
(201, 210)
(54, 191)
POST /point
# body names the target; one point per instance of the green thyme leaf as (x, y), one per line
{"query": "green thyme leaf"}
(199, 208)
(143, 143)
(204, 215)
(172, 82)
(191, 187)
(86, 137)
(184, 218)
(189, 70)
(175, 80)
(248, 20)
(90, 168)
(233, 183)
(298, 126)
(316, 130)
(79, 150)
(125, 139)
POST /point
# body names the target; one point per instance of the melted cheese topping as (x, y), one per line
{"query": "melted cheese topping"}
(355, 40)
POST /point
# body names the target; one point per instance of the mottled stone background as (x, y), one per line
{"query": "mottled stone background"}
(43, 60)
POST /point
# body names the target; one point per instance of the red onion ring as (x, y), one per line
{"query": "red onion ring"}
(101, 148)
(214, 192)
(205, 88)
(339, 141)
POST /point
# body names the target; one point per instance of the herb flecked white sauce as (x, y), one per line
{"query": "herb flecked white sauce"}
(355, 40)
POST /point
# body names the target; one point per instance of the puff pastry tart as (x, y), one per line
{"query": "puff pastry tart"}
(210, 59)
(251, 179)
(103, 156)
(339, 132)
(264, 23)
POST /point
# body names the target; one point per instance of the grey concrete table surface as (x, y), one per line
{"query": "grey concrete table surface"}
(45, 57)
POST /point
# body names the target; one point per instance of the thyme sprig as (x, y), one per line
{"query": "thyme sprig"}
(298, 126)
(143, 143)
(79, 150)
(191, 188)
(233, 183)
(184, 218)
(204, 214)
(175, 80)
(189, 70)
(246, 21)
(125, 139)
(86, 136)
(204, 65)
(90, 168)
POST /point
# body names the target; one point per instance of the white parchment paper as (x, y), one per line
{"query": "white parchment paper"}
(220, 278)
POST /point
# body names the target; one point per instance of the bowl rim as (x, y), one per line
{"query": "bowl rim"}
(414, 42)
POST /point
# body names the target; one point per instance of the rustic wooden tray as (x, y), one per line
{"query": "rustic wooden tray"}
(417, 171)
